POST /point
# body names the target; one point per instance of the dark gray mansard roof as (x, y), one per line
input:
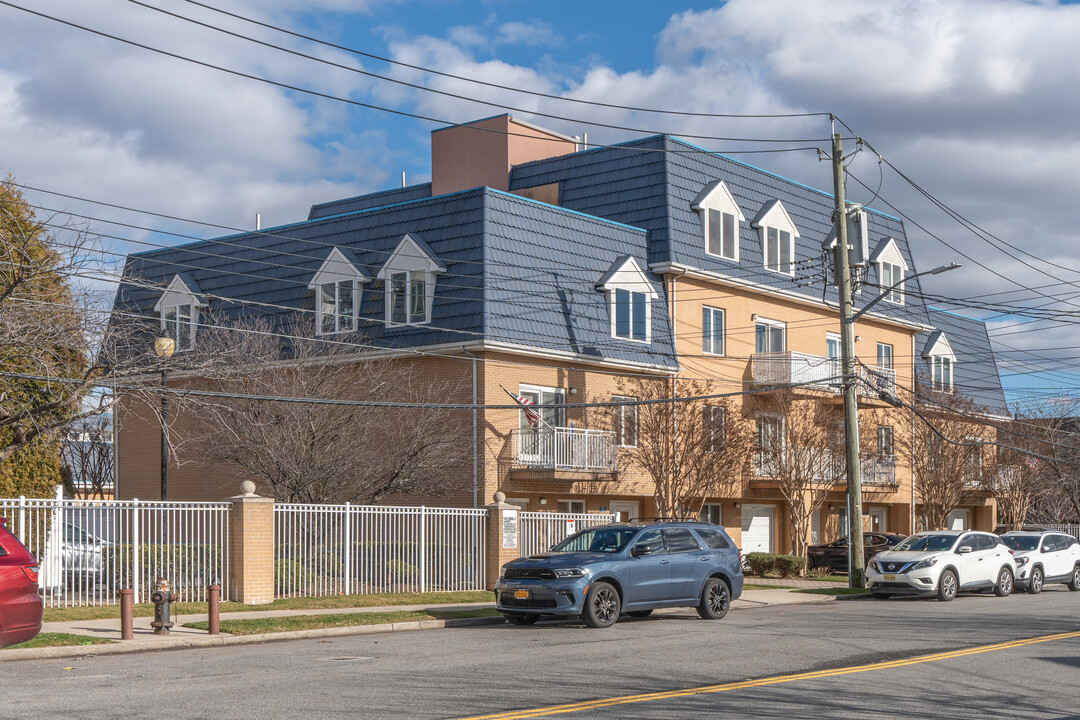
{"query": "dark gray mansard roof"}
(975, 374)
(517, 271)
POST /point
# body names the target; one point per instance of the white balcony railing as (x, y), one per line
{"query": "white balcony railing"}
(821, 373)
(564, 448)
(877, 469)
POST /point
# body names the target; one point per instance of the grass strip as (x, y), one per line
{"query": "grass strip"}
(834, 591)
(105, 612)
(256, 626)
(60, 640)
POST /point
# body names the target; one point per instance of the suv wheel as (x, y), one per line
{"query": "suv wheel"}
(521, 619)
(715, 599)
(947, 584)
(1004, 584)
(601, 606)
(1074, 584)
(1036, 583)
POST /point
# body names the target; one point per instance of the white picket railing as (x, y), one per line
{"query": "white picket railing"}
(541, 530)
(564, 448)
(361, 549)
(88, 550)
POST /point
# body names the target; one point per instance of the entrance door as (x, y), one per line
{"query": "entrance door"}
(627, 509)
(757, 522)
(877, 519)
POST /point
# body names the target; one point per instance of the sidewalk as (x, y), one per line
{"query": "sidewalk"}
(182, 637)
(794, 582)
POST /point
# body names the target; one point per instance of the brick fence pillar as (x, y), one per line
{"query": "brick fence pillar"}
(503, 537)
(251, 547)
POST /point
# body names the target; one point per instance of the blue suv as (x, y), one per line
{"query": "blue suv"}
(603, 571)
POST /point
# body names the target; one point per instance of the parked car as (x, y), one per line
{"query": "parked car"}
(943, 563)
(632, 568)
(834, 555)
(20, 604)
(1044, 557)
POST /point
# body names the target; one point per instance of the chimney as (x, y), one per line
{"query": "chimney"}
(482, 152)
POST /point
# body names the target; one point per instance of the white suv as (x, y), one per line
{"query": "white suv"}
(943, 563)
(1044, 557)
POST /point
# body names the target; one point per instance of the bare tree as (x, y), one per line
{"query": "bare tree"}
(303, 450)
(800, 446)
(87, 452)
(691, 449)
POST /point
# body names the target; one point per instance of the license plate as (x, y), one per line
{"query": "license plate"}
(890, 578)
(521, 594)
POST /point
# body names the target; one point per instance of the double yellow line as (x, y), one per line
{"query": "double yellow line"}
(761, 682)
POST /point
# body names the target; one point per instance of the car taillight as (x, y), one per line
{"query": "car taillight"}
(31, 572)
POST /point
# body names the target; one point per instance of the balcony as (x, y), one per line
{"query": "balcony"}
(878, 471)
(815, 372)
(564, 449)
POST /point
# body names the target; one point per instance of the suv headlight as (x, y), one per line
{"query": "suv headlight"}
(502, 573)
(1021, 561)
(571, 572)
(928, 562)
(874, 566)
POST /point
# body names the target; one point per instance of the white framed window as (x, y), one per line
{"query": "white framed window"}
(891, 267)
(572, 506)
(178, 323)
(771, 441)
(885, 441)
(720, 218)
(179, 307)
(626, 427)
(769, 336)
(630, 295)
(885, 356)
(941, 373)
(715, 419)
(712, 513)
(712, 330)
(890, 275)
(337, 307)
(543, 398)
(409, 276)
(778, 234)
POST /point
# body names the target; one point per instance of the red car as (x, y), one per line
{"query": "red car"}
(20, 604)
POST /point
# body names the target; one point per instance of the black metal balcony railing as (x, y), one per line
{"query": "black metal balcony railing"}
(564, 448)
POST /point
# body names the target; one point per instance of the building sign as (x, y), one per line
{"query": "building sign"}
(571, 527)
(510, 529)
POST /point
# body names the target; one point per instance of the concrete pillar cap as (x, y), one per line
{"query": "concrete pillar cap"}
(499, 497)
(247, 488)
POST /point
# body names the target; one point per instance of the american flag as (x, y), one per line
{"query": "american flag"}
(526, 407)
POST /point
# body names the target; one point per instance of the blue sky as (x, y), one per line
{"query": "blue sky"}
(975, 100)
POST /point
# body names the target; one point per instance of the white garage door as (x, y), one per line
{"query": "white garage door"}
(757, 522)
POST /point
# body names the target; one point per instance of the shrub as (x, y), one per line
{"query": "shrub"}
(292, 574)
(762, 564)
(759, 563)
(788, 565)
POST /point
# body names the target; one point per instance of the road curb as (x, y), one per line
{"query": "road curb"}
(132, 646)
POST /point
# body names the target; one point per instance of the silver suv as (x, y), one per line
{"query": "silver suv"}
(1044, 557)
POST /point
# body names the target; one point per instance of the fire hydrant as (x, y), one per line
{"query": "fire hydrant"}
(162, 597)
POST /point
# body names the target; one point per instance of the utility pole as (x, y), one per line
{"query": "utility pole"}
(856, 578)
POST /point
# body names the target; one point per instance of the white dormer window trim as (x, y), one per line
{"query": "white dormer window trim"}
(941, 363)
(891, 268)
(720, 219)
(778, 234)
(338, 285)
(409, 277)
(630, 296)
(179, 307)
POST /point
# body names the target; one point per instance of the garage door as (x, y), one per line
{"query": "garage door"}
(757, 523)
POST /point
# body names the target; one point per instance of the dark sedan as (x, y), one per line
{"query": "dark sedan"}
(834, 555)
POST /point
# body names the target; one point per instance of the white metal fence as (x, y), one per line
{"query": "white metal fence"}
(1073, 529)
(359, 549)
(541, 530)
(88, 550)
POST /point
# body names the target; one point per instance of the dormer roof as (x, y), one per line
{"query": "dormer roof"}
(181, 290)
(411, 254)
(937, 345)
(626, 273)
(888, 250)
(340, 264)
(773, 214)
(717, 194)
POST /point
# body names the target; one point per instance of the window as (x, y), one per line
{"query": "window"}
(770, 441)
(778, 235)
(712, 331)
(711, 513)
(768, 336)
(891, 274)
(842, 522)
(941, 373)
(884, 356)
(337, 309)
(630, 319)
(778, 250)
(409, 283)
(625, 422)
(720, 218)
(178, 322)
(572, 506)
(891, 267)
(543, 398)
(680, 540)
(651, 542)
(712, 538)
(885, 440)
(973, 461)
(715, 426)
(407, 298)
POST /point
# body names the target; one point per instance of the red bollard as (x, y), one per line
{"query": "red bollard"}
(127, 615)
(214, 598)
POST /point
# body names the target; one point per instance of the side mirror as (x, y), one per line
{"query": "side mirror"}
(964, 549)
(639, 550)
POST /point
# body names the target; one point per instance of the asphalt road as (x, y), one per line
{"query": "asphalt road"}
(510, 670)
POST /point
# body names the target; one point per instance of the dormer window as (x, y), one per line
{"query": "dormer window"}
(891, 268)
(720, 218)
(179, 308)
(778, 234)
(409, 283)
(337, 285)
(630, 295)
(941, 361)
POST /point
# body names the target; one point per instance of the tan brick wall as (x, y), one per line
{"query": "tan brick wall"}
(251, 550)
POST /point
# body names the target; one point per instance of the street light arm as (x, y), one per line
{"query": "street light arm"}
(898, 283)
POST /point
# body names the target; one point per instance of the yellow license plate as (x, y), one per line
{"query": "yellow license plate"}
(890, 578)
(521, 594)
